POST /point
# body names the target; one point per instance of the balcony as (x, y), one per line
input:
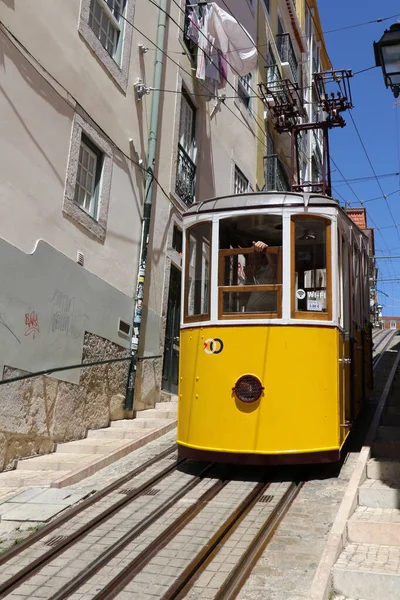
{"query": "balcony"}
(275, 174)
(287, 55)
(185, 177)
(273, 74)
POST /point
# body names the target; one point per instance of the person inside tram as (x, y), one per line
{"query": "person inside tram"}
(261, 269)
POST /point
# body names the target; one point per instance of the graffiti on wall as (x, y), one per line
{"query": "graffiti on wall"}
(32, 324)
(65, 316)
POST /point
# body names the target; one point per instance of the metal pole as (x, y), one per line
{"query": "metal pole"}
(151, 156)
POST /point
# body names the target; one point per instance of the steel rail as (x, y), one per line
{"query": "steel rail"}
(239, 575)
(72, 512)
(190, 574)
(32, 568)
(114, 587)
(126, 539)
(383, 345)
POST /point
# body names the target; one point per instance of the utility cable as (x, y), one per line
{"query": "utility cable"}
(75, 102)
(375, 176)
(187, 72)
(361, 24)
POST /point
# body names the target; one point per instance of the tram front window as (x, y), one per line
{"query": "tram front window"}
(311, 290)
(197, 296)
(250, 270)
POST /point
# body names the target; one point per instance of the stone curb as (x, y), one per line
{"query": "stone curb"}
(94, 466)
(322, 582)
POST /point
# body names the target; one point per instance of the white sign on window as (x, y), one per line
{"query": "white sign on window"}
(314, 305)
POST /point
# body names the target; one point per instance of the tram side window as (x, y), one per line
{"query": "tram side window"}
(310, 242)
(198, 257)
(250, 281)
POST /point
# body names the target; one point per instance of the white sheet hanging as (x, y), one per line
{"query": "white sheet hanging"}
(232, 39)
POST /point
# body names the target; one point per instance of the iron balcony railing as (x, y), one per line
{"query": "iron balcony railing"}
(275, 174)
(185, 177)
(273, 74)
(286, 53)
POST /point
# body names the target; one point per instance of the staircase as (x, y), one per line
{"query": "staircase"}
(73, 461)
(369, 565)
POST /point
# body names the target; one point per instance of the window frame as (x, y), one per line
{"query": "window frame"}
(309, 315)
(244, 91)
(118, 69)
(239, 173)
(267, 287)
(96, 227)
(201, 316)
(97, 175)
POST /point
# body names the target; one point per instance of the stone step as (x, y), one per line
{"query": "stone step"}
(389, 433)
(89, 446)
(379, 494)
(115, 433)
(18, 479)
(139, 423)
(384, 449)
(173, 405)
(54, 462)
(368, 571)
(383, 469)
(156, 413)
(374, 525)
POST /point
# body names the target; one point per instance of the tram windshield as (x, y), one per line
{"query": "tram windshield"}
(197, 297)
(250, 266)
(311, 266)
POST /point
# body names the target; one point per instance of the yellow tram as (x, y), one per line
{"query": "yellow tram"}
(275, 351)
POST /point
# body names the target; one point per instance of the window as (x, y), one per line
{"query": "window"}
(244, 89)
(186, 167)
(241, 183)
(88, 177)
(250, 282)
(198, 258)
(106, 21)
(393, 325)
(88, 180)
(311, 261)
(177, 239)
(102, 25)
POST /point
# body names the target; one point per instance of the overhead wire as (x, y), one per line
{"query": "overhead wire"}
(76, 103)
(362, 143)
(244, 123)
(228, 63)
(379, 20)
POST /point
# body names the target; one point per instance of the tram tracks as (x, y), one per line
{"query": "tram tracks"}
(56, 574)
(382, 343)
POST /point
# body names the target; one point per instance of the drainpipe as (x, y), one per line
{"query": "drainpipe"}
(151, 155)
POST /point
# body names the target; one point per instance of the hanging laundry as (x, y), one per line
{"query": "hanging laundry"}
(203, 46)
(212, 61)
(223, 69)
(232, 39)
(193, 27)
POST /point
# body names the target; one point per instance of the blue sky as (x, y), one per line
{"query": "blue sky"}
(377, 118)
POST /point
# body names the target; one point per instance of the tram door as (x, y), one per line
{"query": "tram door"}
(171, 345)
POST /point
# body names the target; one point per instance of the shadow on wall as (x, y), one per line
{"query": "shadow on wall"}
(40, 87)
(9, 3)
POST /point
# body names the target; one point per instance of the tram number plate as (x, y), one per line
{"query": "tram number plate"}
(314, 305)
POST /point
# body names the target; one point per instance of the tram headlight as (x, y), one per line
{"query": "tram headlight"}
(248, 388)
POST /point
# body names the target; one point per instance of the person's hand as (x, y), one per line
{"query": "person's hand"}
(259, 246)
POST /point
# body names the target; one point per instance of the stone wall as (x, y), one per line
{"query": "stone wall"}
(39, 412)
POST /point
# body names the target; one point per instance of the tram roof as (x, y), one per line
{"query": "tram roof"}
(260, 200)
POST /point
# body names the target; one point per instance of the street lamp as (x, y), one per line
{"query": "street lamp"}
(387, 56)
